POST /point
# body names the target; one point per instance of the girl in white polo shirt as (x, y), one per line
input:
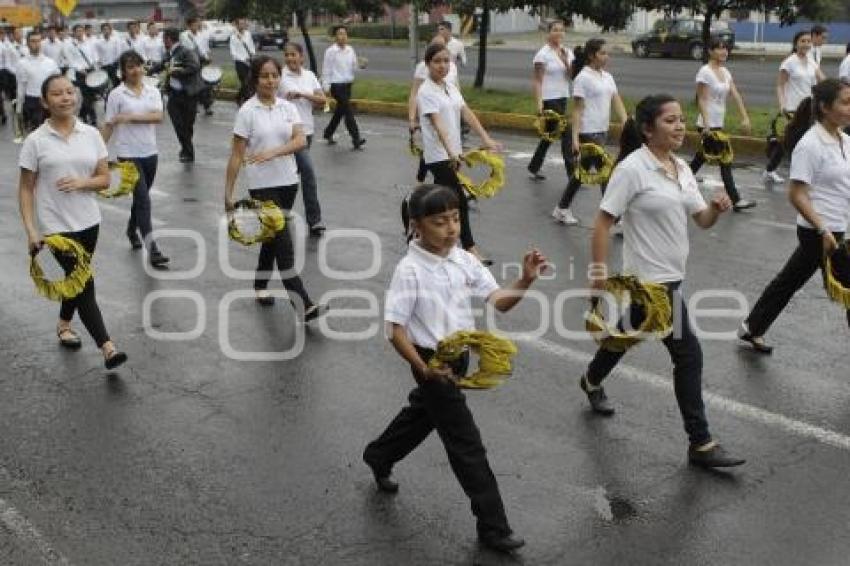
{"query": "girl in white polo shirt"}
(714, 85)
(655, 193)
(551, 92)
(820, 191)
(133, 110)
(797, 75)
(430, 298)
(594, 91)
(62, 164)
(301, 87)
(441, 107)
(267, 134)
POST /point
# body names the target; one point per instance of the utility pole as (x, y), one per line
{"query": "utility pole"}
(413, 33)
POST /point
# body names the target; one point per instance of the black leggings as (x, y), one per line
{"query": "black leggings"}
(725, 171)
(140, 212)
(445, 175)
(280, 249)
(803, 263)
(85, 303)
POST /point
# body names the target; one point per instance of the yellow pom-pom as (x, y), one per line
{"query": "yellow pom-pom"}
(271, 220)
(550, 125)
(594, 164)
(127, 183)
(717, 148)
(74, 283)
(496, 180)
(494, 352)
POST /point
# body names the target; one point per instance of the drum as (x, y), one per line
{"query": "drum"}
(97, 80)
(211, 74)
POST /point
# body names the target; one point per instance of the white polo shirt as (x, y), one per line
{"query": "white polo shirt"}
(242, 46)
(421, 73)
(133, 140)
(53, 157)
(339, 65)
(304, 82)
(109, 50)
(32, 71)
(446, 101)
(818, 161)
(802, 76)
(844, 69)
(596, 88)
(154, 49)
(655, 209)
(556, 83)
(431, 296)
(718, 92)
(266, 128)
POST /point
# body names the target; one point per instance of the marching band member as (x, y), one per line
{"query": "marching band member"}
(154, 50)
(32, 71)
(184, 84)
(194, 38)
(338, 70)
(14, 51)
(81, 59)
(655, 192)
(62, 163)
(242, 50)
(51, 46)
(819, 36)
(267, 134)
(301, 87)
(133, 110)
(107, 49)
(552, 92)
(134, 40)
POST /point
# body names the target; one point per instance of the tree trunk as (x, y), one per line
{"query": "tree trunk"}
(711, 11)
(301, 19)
(484, 29)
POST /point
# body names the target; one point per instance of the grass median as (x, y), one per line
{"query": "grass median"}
(518, 102)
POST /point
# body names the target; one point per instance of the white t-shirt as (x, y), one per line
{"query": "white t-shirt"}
(819, 162)
(802, 76)
(655, 210)
(446, 101)
(305, 83)
(52, 157)
(133, 140)
(718, 92)
(421, 73)
(556, 83)
(431, 296)
(265, 128)
(844, 69)
(596, 88)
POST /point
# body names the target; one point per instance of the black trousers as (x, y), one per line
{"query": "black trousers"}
(243, 73)
(280, 250)
(8, 88)
(33, 113)
(112, 71)
(342, 94)
(442, 406)
(803, 263)
(559, 105)
(444, 174)
(181, 110)
(686, 354)
(89, 98)
(85, 304)
(725, 172)
(140, 211)
(599, 138)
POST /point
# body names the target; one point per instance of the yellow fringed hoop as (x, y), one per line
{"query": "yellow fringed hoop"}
(725, 156)
(494, 183)
(601, 175)
(657, 322)
(271, 220)
(494, 357)
(543, 122)
(835, 290)
(74, 283)
(414, 148)
(127, 184)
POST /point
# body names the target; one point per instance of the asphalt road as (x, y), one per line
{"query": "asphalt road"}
(511, 70)
(191, 456)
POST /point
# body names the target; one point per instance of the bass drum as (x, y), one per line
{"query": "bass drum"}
(211, 75)
(97, 80)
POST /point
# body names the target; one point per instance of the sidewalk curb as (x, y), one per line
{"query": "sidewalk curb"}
(524, 123)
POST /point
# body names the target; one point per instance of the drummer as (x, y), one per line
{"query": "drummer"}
(154, 50)
(108, 48)
(194, 38)
(133, 40)
(80, 57)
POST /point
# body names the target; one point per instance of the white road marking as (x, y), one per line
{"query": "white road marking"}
(730, 406)
(25, 531)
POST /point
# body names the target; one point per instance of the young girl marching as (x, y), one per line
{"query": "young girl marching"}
(655, 193)
(594, 91)
(429, 299)
(820, 191)
(714, 85)
(63, 162)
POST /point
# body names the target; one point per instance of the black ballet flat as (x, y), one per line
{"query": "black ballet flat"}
(115, 359)
(760, 347)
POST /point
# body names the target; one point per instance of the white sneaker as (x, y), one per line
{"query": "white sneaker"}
(564, 216)
(771, 177)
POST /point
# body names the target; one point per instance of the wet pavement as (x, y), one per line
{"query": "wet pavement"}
(191, 454)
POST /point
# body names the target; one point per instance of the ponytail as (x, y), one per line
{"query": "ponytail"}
(811, 109)
(583, 55)
(646, 112)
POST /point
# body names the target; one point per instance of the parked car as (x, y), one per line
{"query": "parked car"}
(220, 33)
(681, 37)
(265, 37)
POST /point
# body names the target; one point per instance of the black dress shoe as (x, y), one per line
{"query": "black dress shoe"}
(135, 241)
(758, 345)
(598, 400)
(714, 457)
(501, 543)
(317, 229)
(359, 143)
